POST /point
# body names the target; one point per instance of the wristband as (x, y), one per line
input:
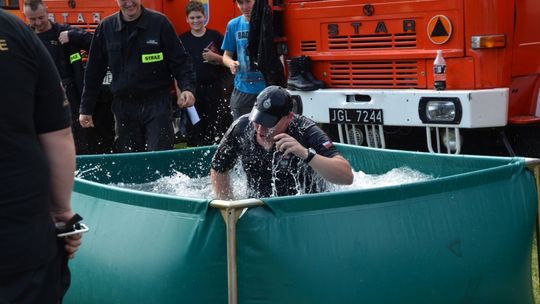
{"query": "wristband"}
(311, 154)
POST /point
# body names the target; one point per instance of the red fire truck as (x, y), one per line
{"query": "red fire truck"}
(11, 6)
(88, 13)
(376, 61)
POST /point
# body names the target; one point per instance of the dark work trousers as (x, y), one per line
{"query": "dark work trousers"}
(79, 133)
(213, 110)
(45, 285)
(100, 138)
(143, 124)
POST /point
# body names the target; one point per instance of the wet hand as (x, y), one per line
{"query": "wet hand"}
(185, 100)
(205, 55)
(73, 242)
(287, 144)
(208, 56)
(86, 121)
(63, 37)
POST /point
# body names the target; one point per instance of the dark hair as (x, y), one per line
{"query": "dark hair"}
(33, 4)
(194, 6)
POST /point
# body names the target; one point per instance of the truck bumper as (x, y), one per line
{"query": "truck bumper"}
(441, 113)
(477, 108)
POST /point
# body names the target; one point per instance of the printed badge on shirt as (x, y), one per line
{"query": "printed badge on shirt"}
(328, 144)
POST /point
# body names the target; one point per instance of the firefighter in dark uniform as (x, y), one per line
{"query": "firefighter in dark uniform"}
(37, 157)
(282, 153)
(64, 44)
(145, 56)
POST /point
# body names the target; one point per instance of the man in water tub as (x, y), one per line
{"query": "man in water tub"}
(282, 153)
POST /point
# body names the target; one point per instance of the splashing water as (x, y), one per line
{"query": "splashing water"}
(396, 176)
(180, 184)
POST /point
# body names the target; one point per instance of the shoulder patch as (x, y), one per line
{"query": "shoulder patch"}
(327, 144)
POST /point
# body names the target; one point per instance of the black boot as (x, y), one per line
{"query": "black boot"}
(307, 72)
(297, 80)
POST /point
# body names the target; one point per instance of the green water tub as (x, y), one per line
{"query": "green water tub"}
(463, 237)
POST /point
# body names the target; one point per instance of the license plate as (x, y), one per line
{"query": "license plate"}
(356, 116)
(108, 78)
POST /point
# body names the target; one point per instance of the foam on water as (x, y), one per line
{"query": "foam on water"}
(180, 184)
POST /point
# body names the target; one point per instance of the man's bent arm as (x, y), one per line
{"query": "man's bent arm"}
(60, 152)
(96, 68)
(334, 169)
(179, 61)
(79, 37)
(221, 185)
(229, 62)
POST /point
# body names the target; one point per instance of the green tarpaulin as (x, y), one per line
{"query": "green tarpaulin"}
(463, 237)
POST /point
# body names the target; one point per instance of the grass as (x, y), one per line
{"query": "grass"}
(181, 145)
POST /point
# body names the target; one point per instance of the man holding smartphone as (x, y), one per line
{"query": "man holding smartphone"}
(38, 163)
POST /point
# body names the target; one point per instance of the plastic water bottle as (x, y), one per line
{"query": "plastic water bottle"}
(439, 71)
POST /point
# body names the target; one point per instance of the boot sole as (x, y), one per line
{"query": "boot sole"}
(294, 88)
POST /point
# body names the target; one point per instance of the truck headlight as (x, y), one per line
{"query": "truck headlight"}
(442, 110)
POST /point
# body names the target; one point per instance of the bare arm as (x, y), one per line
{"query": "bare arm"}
(334, 169)
(221, 185)
(60, 152)
(229, 62)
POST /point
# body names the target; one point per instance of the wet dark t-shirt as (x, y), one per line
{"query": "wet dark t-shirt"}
(270, 173)
(32, 103)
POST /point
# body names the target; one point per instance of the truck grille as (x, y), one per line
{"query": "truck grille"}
(376, 74)
(308, 46)
(354, 42)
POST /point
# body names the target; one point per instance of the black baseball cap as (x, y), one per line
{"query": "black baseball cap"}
(272, 103)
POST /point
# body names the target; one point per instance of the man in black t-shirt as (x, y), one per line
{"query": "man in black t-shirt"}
(281, 152)
(203, 44)
(37, 161)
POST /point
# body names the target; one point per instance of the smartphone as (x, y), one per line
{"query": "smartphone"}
(212, 47)
(75, 229)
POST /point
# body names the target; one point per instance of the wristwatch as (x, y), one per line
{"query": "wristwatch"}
(311, 153)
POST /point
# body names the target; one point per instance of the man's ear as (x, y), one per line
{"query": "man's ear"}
(290, 117)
